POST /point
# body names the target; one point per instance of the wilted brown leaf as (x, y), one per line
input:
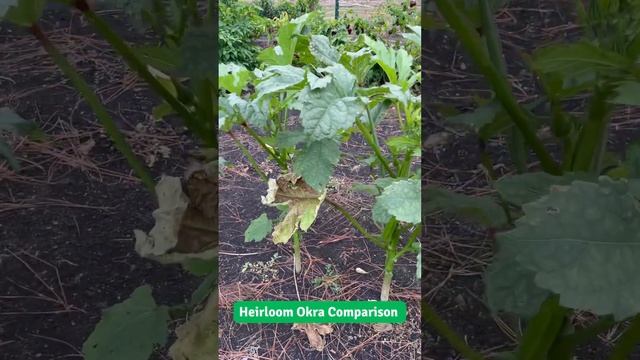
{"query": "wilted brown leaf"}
(315, 333)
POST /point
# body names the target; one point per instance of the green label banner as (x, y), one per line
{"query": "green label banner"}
(289, 312)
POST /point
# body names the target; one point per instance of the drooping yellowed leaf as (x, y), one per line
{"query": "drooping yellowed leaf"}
(303, 204)
(185, 223)
(315, 333)
(198, 337)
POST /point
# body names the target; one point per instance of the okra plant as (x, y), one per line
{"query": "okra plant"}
(567, 232)
(305, 100)
(180, 70)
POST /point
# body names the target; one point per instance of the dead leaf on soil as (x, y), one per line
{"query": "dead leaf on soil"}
(314, 333)
(186, 223)
(86, 147)
(382, 327)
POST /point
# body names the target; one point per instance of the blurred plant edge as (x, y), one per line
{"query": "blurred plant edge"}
(566, 236)
(188, 91)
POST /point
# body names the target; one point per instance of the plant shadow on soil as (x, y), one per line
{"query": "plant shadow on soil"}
(331, 252)
(67, 218)
(455, 254)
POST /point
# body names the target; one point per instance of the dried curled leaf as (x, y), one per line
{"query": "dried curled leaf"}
(185, 224)
(303, 204)
(198, 338)
(314, 333)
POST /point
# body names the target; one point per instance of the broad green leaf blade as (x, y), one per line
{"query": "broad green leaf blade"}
(282, 54)
(510, 287)
(333, 108)
(524, 188)
(385, 57)
(315, 163)
(279, 78)
(258, 229)
(401, 199)
(582, 241)
(129, 330)
(322, 50)
(358, 63)
(415, 35)
(482, 209)
(302, 205)
(577, 57)
(233, 78)
(286, 139)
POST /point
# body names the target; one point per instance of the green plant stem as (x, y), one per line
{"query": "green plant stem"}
(376, 149)
(249, 157)
(297, 260)
(137, 65)
(405, 167)
(593, 136)
(391, 237)
(272, 153)
(412, 238)
(432, 318)
(372, 126)
(98, 108)
(628, 341)
(374, 239)
(474, 46)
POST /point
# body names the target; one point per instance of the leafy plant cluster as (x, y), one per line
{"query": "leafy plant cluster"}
(305, 75)
(567, 234)
(272, 9)
(395, 16)
(179, 70)
(240, 25)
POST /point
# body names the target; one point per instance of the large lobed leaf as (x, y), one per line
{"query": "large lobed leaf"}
(129, 330)
(400, 199)
(582, 242)
(316, 161)
(259, 228)
(328, 110)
